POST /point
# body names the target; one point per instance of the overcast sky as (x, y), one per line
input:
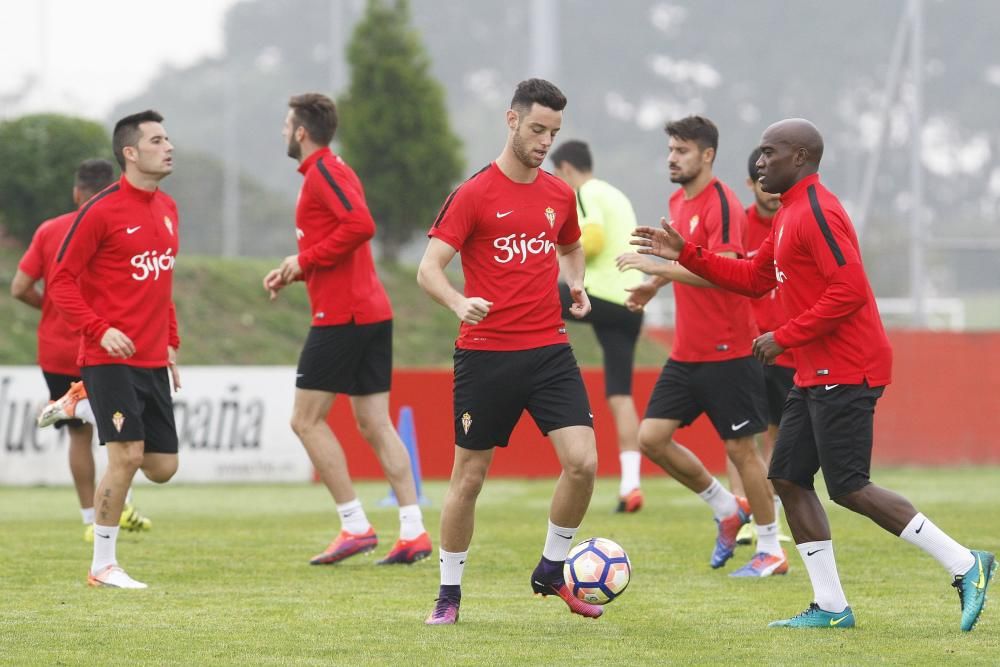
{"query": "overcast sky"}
(87, 55)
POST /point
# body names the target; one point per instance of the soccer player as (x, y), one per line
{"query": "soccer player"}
(710, 368)
(58, 346)
(113, 282)
(606, 224)
(349, 346)
(515, 225)
(843, 362)
(769, 316)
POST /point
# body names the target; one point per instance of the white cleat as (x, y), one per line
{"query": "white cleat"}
(64, 407)
(113, 577)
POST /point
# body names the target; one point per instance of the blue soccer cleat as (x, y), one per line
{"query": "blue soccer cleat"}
(729, 528)
(814, 617)
(972, 588)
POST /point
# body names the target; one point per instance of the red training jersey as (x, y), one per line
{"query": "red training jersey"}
(334, 230)
(767, 310)
(115, 268)
(711, 324)
(57, 343)
(813, 253)
(507, 233)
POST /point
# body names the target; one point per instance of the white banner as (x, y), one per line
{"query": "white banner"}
(232, 422)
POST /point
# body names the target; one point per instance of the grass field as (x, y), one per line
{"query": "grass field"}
(229, 584)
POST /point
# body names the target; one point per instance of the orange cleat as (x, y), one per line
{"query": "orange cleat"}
(346, 545)
(408, 552)
(630, 502)
(64, 407)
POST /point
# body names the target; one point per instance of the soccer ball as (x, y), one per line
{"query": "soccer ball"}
(597, 570)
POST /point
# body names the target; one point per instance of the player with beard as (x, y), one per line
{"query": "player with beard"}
(349, 346)
(514, 225)
(113, 282)
(843, 362)
(710, 369)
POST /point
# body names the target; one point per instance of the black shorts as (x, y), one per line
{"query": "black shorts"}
(58, 386)
(729, 392)
(829, 430)
(778, 381)
(492, 389)
(132, 404)
(352, 359)
(617, 330)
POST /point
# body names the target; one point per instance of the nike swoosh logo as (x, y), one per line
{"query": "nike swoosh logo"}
(981, 584)
(831, 386)
(132, 230)
(921, 526)
(838, 621)
(570, 537)
(108, 537)
(461, 562)
(810, 553)
(504, 215)
(737, 427)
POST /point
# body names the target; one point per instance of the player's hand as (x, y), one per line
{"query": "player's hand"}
(632, 260)
(273, 283)
(581, 302)
(290, 269)
(174, 371)
(472, 310)
(117, 344)
(664, 242)
(639, 296)
(766, 349)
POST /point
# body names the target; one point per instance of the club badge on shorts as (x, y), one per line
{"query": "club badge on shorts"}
(466, 422)
(118, 419)
(550, 215)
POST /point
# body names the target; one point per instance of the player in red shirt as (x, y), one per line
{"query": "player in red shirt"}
(767, 312)
(843, 363)
(710, 368)
(58, 344)
(349, 347)
(113, 282)
(514, 225)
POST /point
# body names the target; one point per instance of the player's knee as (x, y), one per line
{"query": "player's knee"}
(160, 475)
(370, 427)
(784, 488)
(129, 460)
(650, 439)
(740, 450)
(583, 466)
(301, 424)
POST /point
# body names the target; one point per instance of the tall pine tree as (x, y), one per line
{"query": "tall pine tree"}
(396, 133)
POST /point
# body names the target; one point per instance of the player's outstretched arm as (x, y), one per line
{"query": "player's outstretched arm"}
(664, 242)
(432, 279)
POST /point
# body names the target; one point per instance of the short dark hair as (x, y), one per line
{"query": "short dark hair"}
(317, 113)
(127, 132)
(537, 91)
(698, 129)
(752, 165)
(92, 176)
(576, 152)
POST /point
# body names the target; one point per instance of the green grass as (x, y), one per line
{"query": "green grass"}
(226, 318)
(229, 584)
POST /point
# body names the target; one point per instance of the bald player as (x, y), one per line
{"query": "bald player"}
(843, 363)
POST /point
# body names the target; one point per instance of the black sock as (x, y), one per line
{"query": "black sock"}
(451, 592)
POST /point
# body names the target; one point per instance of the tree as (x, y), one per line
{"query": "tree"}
(396, 132)
(39, 155)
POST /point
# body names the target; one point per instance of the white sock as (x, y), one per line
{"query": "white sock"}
(921, 532)
(411, 522)
(558, 542)
(452, 567)
(84, 412)
(718, 497)
(822, 568)
(87, 514)
(630, 462)
(767, 538)
(105, 540)
(352, 517)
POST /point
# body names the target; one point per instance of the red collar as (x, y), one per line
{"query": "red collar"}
(138, 193)
(314, 158)
(798, 190)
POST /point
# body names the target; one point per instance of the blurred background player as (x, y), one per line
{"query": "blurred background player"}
(113, 282)
(710, 368)
(843, 362)
(58, 347)
(349, 347)
(515, 226)
(767, 312)
(606, 224)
